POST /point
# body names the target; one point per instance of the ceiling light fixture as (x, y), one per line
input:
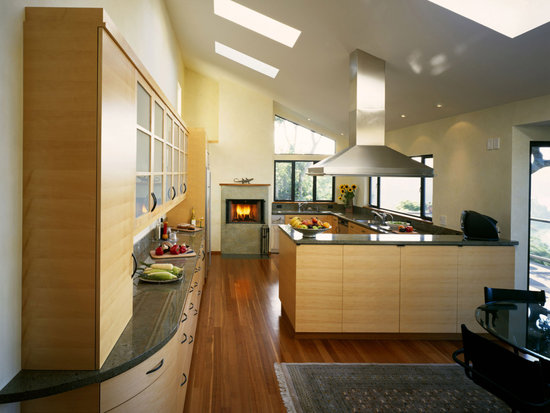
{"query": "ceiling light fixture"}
(508, 17)
(245, 60)
(260, 23)
(403, 116)
(439, 105)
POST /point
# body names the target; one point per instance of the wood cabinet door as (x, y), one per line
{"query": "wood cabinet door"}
(428, 289)
(480, 267)
(371, 288)
(319, 288)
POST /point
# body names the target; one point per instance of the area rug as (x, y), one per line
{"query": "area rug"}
(350, 387)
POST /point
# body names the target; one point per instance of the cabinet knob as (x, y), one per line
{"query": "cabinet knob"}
(184, 188)
(184, 380)
(192, 339)
(184, 338)
(184, 318)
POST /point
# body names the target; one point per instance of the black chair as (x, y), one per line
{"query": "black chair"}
(515, 380)
(519, 296)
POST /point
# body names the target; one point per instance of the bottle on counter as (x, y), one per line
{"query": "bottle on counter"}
(165, 230)
(193, 218)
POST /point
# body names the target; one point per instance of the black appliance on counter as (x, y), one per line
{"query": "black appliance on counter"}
(476, 226)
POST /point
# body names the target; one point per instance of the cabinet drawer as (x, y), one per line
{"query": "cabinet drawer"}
(120, 388)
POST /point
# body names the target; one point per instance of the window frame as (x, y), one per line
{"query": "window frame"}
(293, 185)
(422, 193)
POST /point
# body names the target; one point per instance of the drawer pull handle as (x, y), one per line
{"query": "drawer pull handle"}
(185, 339)
(154, 201)
(192, 339)
(196, 311)
(184, 318)
(199, 293)
(191, 290)
(184, 380)
(156, 368)
(196, 283)
(191, 306)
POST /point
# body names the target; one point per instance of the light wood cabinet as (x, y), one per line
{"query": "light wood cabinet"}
(480, 267)
(319, 288)
(370, 295)
(388, 288)
(428, 289)
(78, 189)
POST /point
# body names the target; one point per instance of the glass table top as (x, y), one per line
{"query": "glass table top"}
(524, 326)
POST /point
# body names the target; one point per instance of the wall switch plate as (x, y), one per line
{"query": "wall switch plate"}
(443, 220)
(493, 144)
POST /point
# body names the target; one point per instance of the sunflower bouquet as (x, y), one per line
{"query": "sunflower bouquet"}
(347, 193)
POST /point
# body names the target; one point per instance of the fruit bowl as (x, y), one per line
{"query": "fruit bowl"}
(309, 232)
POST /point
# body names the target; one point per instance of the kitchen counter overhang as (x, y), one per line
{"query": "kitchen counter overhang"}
(387, 239)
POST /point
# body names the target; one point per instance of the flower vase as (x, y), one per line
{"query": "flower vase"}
(348, 209)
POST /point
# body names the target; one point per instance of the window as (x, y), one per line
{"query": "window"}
(412, 196)
(292, 183)
(291, 138)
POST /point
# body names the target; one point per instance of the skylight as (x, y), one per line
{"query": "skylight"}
(245, 60)
(260, 23)
(509, 17)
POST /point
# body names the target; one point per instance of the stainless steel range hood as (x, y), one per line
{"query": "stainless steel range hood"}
(367, 154)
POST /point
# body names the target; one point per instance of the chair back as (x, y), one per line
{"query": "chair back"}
(521, 296)
(517, 381)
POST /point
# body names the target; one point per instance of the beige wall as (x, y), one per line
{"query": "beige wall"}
(245, 147)
(201, 103)
(468, 176)
(146, 26)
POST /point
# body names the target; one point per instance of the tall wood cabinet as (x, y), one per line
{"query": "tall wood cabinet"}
(78, 189)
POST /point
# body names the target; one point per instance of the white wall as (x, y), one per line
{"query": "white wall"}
(468, 176)
(245, 147)
(146, 26)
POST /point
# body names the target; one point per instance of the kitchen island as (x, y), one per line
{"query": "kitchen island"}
(393, 284)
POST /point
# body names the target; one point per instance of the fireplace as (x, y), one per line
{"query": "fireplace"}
(243, 229)
(244, 211)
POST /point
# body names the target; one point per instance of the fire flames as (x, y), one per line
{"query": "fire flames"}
(242, 211)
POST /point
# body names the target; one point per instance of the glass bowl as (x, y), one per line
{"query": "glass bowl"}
(310, 233)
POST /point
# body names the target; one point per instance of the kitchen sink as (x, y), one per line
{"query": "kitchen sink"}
(373, 224)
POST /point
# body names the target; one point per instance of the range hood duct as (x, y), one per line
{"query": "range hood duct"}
(367, 155)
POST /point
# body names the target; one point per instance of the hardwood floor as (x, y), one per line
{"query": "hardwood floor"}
(241, 334)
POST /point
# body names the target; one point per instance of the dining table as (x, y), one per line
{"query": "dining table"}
(524, 326)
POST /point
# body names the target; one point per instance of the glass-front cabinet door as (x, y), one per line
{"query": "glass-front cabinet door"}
(161, 156)
(143, 151)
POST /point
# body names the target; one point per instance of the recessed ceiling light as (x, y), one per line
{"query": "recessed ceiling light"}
(342, 133)
(403, 116)
(439, 105)
(308, 118)
(245, 60)
(260, 23)
(508, 17)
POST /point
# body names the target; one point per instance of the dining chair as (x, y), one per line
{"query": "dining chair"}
(515, 380)
(522, 296)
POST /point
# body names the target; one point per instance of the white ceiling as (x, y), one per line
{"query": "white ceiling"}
(432, 56)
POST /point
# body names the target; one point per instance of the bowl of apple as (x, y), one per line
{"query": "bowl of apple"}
(309, 228)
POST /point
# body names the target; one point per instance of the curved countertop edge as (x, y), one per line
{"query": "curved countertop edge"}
(387, 239)
(33, 384)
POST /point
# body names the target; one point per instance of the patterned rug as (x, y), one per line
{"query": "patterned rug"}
(334, 387)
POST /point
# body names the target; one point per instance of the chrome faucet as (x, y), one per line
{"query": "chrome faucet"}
(300, 205)
(381, 216)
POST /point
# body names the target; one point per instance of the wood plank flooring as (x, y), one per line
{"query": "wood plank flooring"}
(241, 334)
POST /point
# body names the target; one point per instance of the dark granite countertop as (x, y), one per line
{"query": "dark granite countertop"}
(156, 313)
(387, 239)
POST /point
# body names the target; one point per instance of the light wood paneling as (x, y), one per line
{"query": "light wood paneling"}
(428, 289)
(117, 186)
(287, 277)
(371, 278)
(319, 288)
(125, 386)
(59, 188)
(161, 395)
(480, 267)
(82, 400)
